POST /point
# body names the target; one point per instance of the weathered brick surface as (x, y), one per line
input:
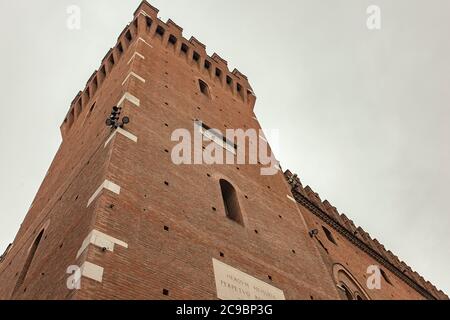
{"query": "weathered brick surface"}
(178, 259)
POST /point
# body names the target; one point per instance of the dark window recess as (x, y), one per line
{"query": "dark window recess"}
(329, 235)
(103, 71)
(160, 31)
(219, 136)
(231, 202)
(204, 88)
(28, 262)
(207, 65)
(111, 59)
(128, 36)
(218, 73)
(172, 39)
(120, 48)
(165, 292)
(184, 48)
(196, 57)
(149, 22)
(229, 80)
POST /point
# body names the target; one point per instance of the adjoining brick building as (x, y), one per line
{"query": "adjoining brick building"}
(114, 208)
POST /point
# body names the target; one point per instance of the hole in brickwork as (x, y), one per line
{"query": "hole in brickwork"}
(166, 150)
(280, 216)
(166, 103)
(246, 197)
(311, 297)
(214, 209)
(165, 292)
(166, 228)
(222, 254)
(111, 206)
(166, 125)
(270, 278)
(256, 231)
(61, 245)
(166, 183)
(294, 252)
(76, 198)
(208, 175)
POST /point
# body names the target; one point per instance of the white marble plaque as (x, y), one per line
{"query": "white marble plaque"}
(232, 284)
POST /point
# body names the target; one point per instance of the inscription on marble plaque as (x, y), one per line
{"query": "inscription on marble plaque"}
(233, 284)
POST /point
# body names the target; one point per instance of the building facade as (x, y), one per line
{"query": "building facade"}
(116, 218)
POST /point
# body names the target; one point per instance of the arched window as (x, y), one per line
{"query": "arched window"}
(29, 260)
(204, 88)
(231, 202)
(348, 285)
(347, 292)
(329, 235)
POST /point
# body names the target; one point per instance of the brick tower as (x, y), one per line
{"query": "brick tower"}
(116, 210)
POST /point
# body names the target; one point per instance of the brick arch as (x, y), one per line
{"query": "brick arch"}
(346, 281)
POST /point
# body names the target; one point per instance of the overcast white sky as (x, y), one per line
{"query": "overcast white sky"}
(364, 115)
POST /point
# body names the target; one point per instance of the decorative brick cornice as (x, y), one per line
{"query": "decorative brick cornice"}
(311, 206)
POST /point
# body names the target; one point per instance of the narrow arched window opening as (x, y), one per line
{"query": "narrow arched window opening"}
(29, 260)
(231, 202)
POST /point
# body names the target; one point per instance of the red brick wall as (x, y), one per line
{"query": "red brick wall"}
(178, 259)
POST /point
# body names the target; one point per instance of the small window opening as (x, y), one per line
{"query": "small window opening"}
(207, 65)
(218, 73)
(103, 71)
(231, 202)
(204, 88)
(329, 235)
(184, 48)
(119, 47)
(111, 59)
(196, 57)
(172, 40)
(160, 31)
(229, 80)
(128, 36)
